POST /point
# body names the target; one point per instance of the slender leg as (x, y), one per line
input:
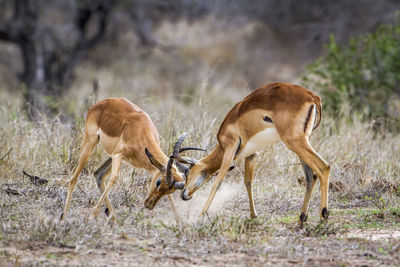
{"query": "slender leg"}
(226, 163)
(311, 158)
(100, 176)
(310, 181)
(248, 179)
(88, 144)
(176, 214)
(116, 164)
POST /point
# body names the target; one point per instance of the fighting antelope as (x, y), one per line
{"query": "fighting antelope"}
(126, 133)
(276, 112)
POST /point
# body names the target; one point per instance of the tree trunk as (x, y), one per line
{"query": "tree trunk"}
(48, 63)
(37, 91)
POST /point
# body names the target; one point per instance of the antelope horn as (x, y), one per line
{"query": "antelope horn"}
(169, 179)
(177, 145)
(180, 166)
(175, 154)
(191, 148)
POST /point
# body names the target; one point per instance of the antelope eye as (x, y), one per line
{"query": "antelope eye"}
(158, 183)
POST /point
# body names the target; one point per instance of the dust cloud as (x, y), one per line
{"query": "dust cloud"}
(190, 210)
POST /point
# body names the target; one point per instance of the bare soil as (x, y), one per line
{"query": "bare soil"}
(357, 234)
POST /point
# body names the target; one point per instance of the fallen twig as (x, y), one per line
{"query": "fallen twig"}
(5, 155)
(11, 191)
(36, 179)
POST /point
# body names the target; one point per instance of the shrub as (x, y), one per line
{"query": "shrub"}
(361, 78)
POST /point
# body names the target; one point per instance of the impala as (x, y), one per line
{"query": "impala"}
(126, 133)
(276, 112)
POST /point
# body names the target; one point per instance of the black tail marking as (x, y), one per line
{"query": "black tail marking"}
(308, 117)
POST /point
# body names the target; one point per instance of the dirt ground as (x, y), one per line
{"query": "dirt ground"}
(357, 233)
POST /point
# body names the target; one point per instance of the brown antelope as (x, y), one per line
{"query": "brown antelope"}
(126, 133)
(276, 112)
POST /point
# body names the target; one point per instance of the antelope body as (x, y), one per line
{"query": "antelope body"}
(275, 112)
(126, 133)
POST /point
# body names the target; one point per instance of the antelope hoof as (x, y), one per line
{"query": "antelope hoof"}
(325, 213)
(253, 216)
(107, 211)
(303, 217)
(62, 216)
(185, 196)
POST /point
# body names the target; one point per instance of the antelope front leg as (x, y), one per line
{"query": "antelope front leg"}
(87, 148)
(226, 163)
(116, 164)
(176, 214)
(248, 179)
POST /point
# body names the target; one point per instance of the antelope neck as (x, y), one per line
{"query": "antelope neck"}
(214, 160)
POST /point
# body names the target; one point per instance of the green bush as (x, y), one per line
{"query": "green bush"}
(361, 78)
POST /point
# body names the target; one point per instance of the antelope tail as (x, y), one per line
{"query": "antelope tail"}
(317, 101)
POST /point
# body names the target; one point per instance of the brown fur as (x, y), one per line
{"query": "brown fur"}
(273, 99)
(288, 106)
(124, 131)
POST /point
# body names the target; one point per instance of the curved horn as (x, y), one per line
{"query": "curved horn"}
(175, 154)
(180, 166)
(187, 160)
(191, 148)
(168, 177)
(177, 145)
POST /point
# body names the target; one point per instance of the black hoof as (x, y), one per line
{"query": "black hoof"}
(62, 215)
(325, 213)
(303, 217)
(107, 212)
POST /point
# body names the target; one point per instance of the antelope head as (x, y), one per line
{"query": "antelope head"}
(173, 175)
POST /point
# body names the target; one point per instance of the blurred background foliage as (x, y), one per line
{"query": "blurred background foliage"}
(57, 57)
(361, 77)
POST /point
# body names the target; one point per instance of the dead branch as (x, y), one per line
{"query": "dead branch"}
(5, 155)
(36, 179)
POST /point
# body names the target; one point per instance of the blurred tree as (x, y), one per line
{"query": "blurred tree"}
(48, 60)
(54, 36)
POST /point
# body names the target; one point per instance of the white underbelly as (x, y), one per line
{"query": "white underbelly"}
(267, 137)
(108, 143)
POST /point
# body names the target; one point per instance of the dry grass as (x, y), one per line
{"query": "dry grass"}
(364, 201)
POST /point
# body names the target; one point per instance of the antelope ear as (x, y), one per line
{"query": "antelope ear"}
(187, 160)
(179, 185)
(154, 161)
(180, 166)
